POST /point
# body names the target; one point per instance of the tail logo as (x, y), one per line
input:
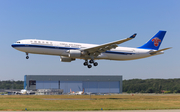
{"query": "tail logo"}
(156, 41)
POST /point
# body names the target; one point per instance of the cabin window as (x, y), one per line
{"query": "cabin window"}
(39, 42)
(35, 41)
(17, 42)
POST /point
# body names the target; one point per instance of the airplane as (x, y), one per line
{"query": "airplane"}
(69, 51)
(21, 92)
(76, 93)
(79, 92)
(24, 91)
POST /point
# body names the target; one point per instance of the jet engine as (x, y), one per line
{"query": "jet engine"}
(74, 53)
(66, 59)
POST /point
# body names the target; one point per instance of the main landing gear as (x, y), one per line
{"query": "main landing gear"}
(91, 62)
(27, 57)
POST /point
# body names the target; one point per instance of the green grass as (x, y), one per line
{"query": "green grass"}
(107, 102)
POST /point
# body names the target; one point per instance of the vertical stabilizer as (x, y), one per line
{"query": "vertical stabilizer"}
(155, 42)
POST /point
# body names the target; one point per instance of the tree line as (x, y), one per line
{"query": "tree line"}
(129, 86)
(151, 86)
(9, 84)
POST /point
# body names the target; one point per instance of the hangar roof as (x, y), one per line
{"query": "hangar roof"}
(74, 77)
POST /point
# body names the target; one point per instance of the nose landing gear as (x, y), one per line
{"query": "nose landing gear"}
(27, 57)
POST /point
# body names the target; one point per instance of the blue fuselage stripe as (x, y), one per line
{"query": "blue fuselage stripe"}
(64, 48)
(115, 52)
(42, 46)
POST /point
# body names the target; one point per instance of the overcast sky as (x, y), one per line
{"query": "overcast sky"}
(89, 21)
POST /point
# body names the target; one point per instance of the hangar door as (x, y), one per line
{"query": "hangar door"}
(88, 86)
(47, 85)
(102, 87)
(73, 85)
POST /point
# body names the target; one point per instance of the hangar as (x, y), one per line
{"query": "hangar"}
(88, 83)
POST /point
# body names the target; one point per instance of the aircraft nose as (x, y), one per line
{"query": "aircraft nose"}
(13, 45)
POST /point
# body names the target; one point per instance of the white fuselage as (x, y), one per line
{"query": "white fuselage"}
(59, 48)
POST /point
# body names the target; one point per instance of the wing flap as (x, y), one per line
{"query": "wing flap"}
(104, 47)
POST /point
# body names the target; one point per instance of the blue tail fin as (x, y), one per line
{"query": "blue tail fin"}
(154, 42)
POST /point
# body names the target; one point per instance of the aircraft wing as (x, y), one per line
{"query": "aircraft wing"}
(104, 47)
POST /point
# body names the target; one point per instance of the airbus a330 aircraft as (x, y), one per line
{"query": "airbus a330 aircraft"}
(69, 51)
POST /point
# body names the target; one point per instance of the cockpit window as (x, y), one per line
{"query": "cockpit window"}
(18, 42)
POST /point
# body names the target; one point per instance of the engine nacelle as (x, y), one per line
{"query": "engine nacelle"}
(66, 59)
(74, 53)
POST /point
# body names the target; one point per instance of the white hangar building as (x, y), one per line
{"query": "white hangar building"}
(90, 83)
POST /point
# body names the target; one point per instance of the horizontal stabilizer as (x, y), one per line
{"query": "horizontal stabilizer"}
(154, 52)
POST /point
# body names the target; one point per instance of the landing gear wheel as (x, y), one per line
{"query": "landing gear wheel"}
(85, 63)
(95, 64)
(91, 61)
(89, 66)
(27, 57)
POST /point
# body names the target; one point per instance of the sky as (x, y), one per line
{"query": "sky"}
(89, 21)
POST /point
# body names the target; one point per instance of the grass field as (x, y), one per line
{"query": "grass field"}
(83, 102)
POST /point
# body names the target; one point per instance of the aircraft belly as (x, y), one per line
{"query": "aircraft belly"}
(35, 50)
(125, 56)
(119, 57)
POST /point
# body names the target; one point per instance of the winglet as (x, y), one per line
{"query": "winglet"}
(133, 36)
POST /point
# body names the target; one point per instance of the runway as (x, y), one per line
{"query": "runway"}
(175, 110)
